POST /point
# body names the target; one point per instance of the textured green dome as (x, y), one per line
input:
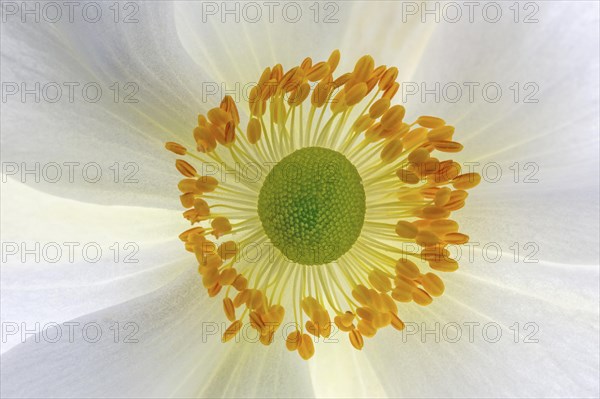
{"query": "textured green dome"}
(312, 205)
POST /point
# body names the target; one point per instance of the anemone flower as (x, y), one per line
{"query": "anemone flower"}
(318, 184)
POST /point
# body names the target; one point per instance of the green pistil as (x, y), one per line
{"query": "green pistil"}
(312, 205)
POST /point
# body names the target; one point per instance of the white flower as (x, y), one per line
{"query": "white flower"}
(546, 311)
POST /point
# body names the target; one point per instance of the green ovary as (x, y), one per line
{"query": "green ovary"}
(312, 205)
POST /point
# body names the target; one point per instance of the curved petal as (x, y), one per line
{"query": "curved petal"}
(63, 259)
(168, 344)
(148, 94)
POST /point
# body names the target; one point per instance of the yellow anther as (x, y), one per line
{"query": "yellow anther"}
(201, 207)
(185, 168)
(229, 309)
(268, 90)
(407, 268)
(228, 276)
(356, 94)
(312, 328)
(406, 229)
(391, 91)
(341, 80)
(389, 303)
(321, 317)
(176, 148)
(415, 137)
(299, 95)
(257, 300)
(380, 280)
(375, 300)
(343, 323)
(275, 314)
(366, 313)
(442, 196)
(192, 234)
(447, 146)
(206, 184)
(220, 226)
(392, 118)
(293, 80)
(306, 64)
(334, 60)
(456, 238)
(432, 284)
(187, 200)
(228, 105)
(426, 238)
(435, 212)
(441, 133)
(189, 186)
(366, 328)
(214, 290)
(318, 71)
(421, 297)
(310, 306)
(347, 319)
(435, 253)
(402, 295)
(321, 92)
(466, 181)
(448, 170)
(408, 177)
(232, 330)
(267, 337)
(293, 340)
(218, 116)
(443, 226)
(391, 151)
(422, 224)
(361, 294)
(362, 123)
(277, 72)
(240, 283)
(382, 320)
(228, 134)
(206, 256)
(444, 265)
(338, 104)
(418, 155)
(306, 348)
(193, 216)
(397, 323)
(388, 78)
(363, 68)
(256, 321)
(242, 298)
(356, 339)
(205, 141)
(374, 77)
(403, 283)
(373, 133)
(430, 122)
(210, 277)
(227, 250)
(379, 107)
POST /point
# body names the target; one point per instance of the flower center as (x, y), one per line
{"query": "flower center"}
(312, 205)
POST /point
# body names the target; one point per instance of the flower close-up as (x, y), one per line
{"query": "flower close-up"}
(347, 199)
(323, 197)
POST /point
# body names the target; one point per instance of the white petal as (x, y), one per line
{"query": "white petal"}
(146, 54)
(171, 348)
(117, 253)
